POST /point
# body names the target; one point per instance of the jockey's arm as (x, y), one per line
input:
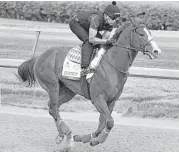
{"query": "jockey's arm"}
(93, 31)
(115, 34)
(93, 39)
(109, 34)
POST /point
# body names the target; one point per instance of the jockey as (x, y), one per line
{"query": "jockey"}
(86, 26)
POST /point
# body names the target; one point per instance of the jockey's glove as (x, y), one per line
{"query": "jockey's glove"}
(110, 41)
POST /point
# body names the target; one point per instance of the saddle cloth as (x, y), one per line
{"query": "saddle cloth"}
(72, 64)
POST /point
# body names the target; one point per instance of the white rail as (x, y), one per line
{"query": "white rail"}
(133, 72)
(36, 29)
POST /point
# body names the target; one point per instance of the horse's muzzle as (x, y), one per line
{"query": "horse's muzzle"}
(156, 53)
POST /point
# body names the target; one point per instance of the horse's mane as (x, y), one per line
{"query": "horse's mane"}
(120, 30)
(125, 25)
(126, 22)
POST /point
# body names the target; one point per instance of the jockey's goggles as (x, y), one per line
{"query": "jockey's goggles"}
(114, 16)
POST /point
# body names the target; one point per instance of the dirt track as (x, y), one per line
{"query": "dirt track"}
(36, 134)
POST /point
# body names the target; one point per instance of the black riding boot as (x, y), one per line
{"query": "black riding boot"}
(87, 49)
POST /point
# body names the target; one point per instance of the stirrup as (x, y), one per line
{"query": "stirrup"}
(84, 71)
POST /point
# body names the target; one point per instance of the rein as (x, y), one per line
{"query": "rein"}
(142, 49)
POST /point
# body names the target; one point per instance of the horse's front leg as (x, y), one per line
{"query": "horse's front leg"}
(87, 138)
(101, 126)
(106, 110)
(106, 123)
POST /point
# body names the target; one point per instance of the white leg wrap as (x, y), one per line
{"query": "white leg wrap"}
(106, 130)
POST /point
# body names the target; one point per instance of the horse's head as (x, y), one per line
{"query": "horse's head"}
(140, 38)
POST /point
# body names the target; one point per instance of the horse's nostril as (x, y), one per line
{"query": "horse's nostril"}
(155, 52)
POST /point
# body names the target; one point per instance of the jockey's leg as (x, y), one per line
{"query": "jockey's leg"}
(87, 48)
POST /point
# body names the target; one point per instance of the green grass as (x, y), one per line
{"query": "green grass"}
(19, 44)
(141, 97)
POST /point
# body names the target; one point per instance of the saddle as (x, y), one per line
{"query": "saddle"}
(72, 63)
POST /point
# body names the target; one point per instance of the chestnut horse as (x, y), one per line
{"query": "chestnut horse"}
(105, 87)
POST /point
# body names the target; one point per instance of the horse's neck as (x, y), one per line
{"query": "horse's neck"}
(119, 56)
(124, 41)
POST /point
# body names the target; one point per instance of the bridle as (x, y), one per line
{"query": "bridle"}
(142, 47)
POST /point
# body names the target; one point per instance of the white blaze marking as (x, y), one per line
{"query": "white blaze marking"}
(148, 34)
(153, 43)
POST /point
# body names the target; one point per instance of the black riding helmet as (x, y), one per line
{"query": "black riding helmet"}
(112, 11)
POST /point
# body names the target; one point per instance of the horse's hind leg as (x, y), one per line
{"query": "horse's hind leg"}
(50, 82)
(65, 95)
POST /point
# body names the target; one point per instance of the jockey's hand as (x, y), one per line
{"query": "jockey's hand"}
(110, 41)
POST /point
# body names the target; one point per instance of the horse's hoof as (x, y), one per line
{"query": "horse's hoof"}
(59, 139)
(94, 142)
(77, 138)
(86, 138)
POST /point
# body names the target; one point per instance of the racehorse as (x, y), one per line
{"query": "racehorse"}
(106, 84)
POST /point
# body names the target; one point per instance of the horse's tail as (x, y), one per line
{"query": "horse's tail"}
(26, 71)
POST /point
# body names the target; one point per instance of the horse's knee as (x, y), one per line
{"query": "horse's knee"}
(110, 124)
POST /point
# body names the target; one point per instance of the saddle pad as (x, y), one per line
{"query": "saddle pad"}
(74, 54)
(72, 64)
(71, 70)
